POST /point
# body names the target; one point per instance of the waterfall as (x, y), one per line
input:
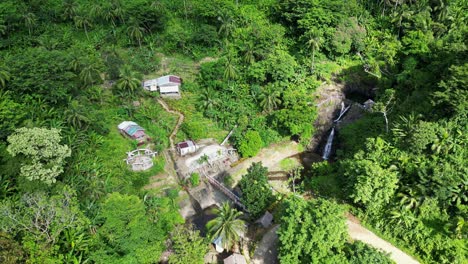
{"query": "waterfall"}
(342, 112)
(328, 146)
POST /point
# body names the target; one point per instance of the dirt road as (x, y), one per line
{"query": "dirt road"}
(358, 232)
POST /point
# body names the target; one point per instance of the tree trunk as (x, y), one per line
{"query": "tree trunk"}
(386, 121)
(313, 61)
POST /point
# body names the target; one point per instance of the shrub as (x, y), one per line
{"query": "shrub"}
(250, 144)
(195, 179)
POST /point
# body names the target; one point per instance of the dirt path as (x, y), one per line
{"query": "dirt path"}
(169, 176)
(179, 121)
(267, 249)
(358, 232)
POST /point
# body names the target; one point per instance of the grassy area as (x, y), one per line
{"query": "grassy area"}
(195, 125)
(289, 164)
(111, 154)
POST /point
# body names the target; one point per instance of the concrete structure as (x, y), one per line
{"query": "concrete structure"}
(235, 259)
(265, 220)
(140, 159)
(186, 147)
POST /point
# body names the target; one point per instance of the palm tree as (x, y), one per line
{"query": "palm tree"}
(249, 53)
(227, 226)
(230, 71)
(69, 9)
(118, 11)
(30, 21)
(89, 74)
(76, 116)
(135, 32)
(314, 42)
(208, 99)
(269, 98)
(96, 11)
(83, 22)
(128, 83)
(227, 25)
(4, 77)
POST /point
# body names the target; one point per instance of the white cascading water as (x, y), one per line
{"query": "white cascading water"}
(328, 146)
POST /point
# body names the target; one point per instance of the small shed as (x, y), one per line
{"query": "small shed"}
(235, 259)
(186, 147)
(265, 220)
(151, 85)
(132, 130)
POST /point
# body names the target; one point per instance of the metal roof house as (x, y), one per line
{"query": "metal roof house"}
(235, 259)
(168, 85)
(132, 129)
(186, 147)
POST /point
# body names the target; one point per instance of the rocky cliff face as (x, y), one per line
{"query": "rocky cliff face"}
(329, 98)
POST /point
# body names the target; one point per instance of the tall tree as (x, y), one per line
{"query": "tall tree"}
(129, 83)
(89, 74)
(187, 246)
(385, 105)
(127, 234)
(39, 150)
(30, 21)
(136, 32)
(256, 192)
(314, 42)
(311, 232)
(270, 98)
(227, 226)
(83, 21)
(69, 9)
(42, 220)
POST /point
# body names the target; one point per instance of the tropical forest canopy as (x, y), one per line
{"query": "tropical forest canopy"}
(71, 70)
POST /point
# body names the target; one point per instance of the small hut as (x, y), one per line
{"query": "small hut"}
(133, 130)
(186, 147)
(235, 259)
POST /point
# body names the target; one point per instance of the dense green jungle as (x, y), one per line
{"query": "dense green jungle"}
(72, 70)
